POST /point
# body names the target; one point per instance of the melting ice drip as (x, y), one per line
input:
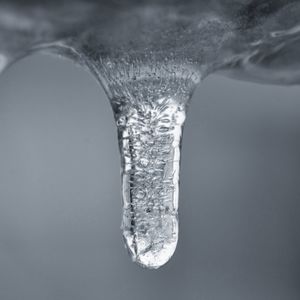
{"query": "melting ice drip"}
(149, 56)
(150, 137)
(150, 107)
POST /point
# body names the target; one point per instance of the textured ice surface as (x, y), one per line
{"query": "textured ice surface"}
(150, 116)
(149, 137)
(149, 55)
(149, 99)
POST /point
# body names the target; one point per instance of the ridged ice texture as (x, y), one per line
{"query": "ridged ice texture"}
(150, 109)
(150, 137)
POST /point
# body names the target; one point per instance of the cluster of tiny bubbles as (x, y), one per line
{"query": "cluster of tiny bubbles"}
(149, 101)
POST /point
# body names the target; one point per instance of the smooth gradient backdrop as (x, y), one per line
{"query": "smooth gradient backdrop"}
(60, 199)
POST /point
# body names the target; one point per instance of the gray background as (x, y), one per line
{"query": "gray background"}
(60, 203)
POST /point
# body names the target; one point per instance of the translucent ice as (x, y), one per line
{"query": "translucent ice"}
(149, 55)
(150, 117)
(149, 138)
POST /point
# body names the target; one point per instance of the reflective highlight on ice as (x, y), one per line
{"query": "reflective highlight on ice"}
(150, 137)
